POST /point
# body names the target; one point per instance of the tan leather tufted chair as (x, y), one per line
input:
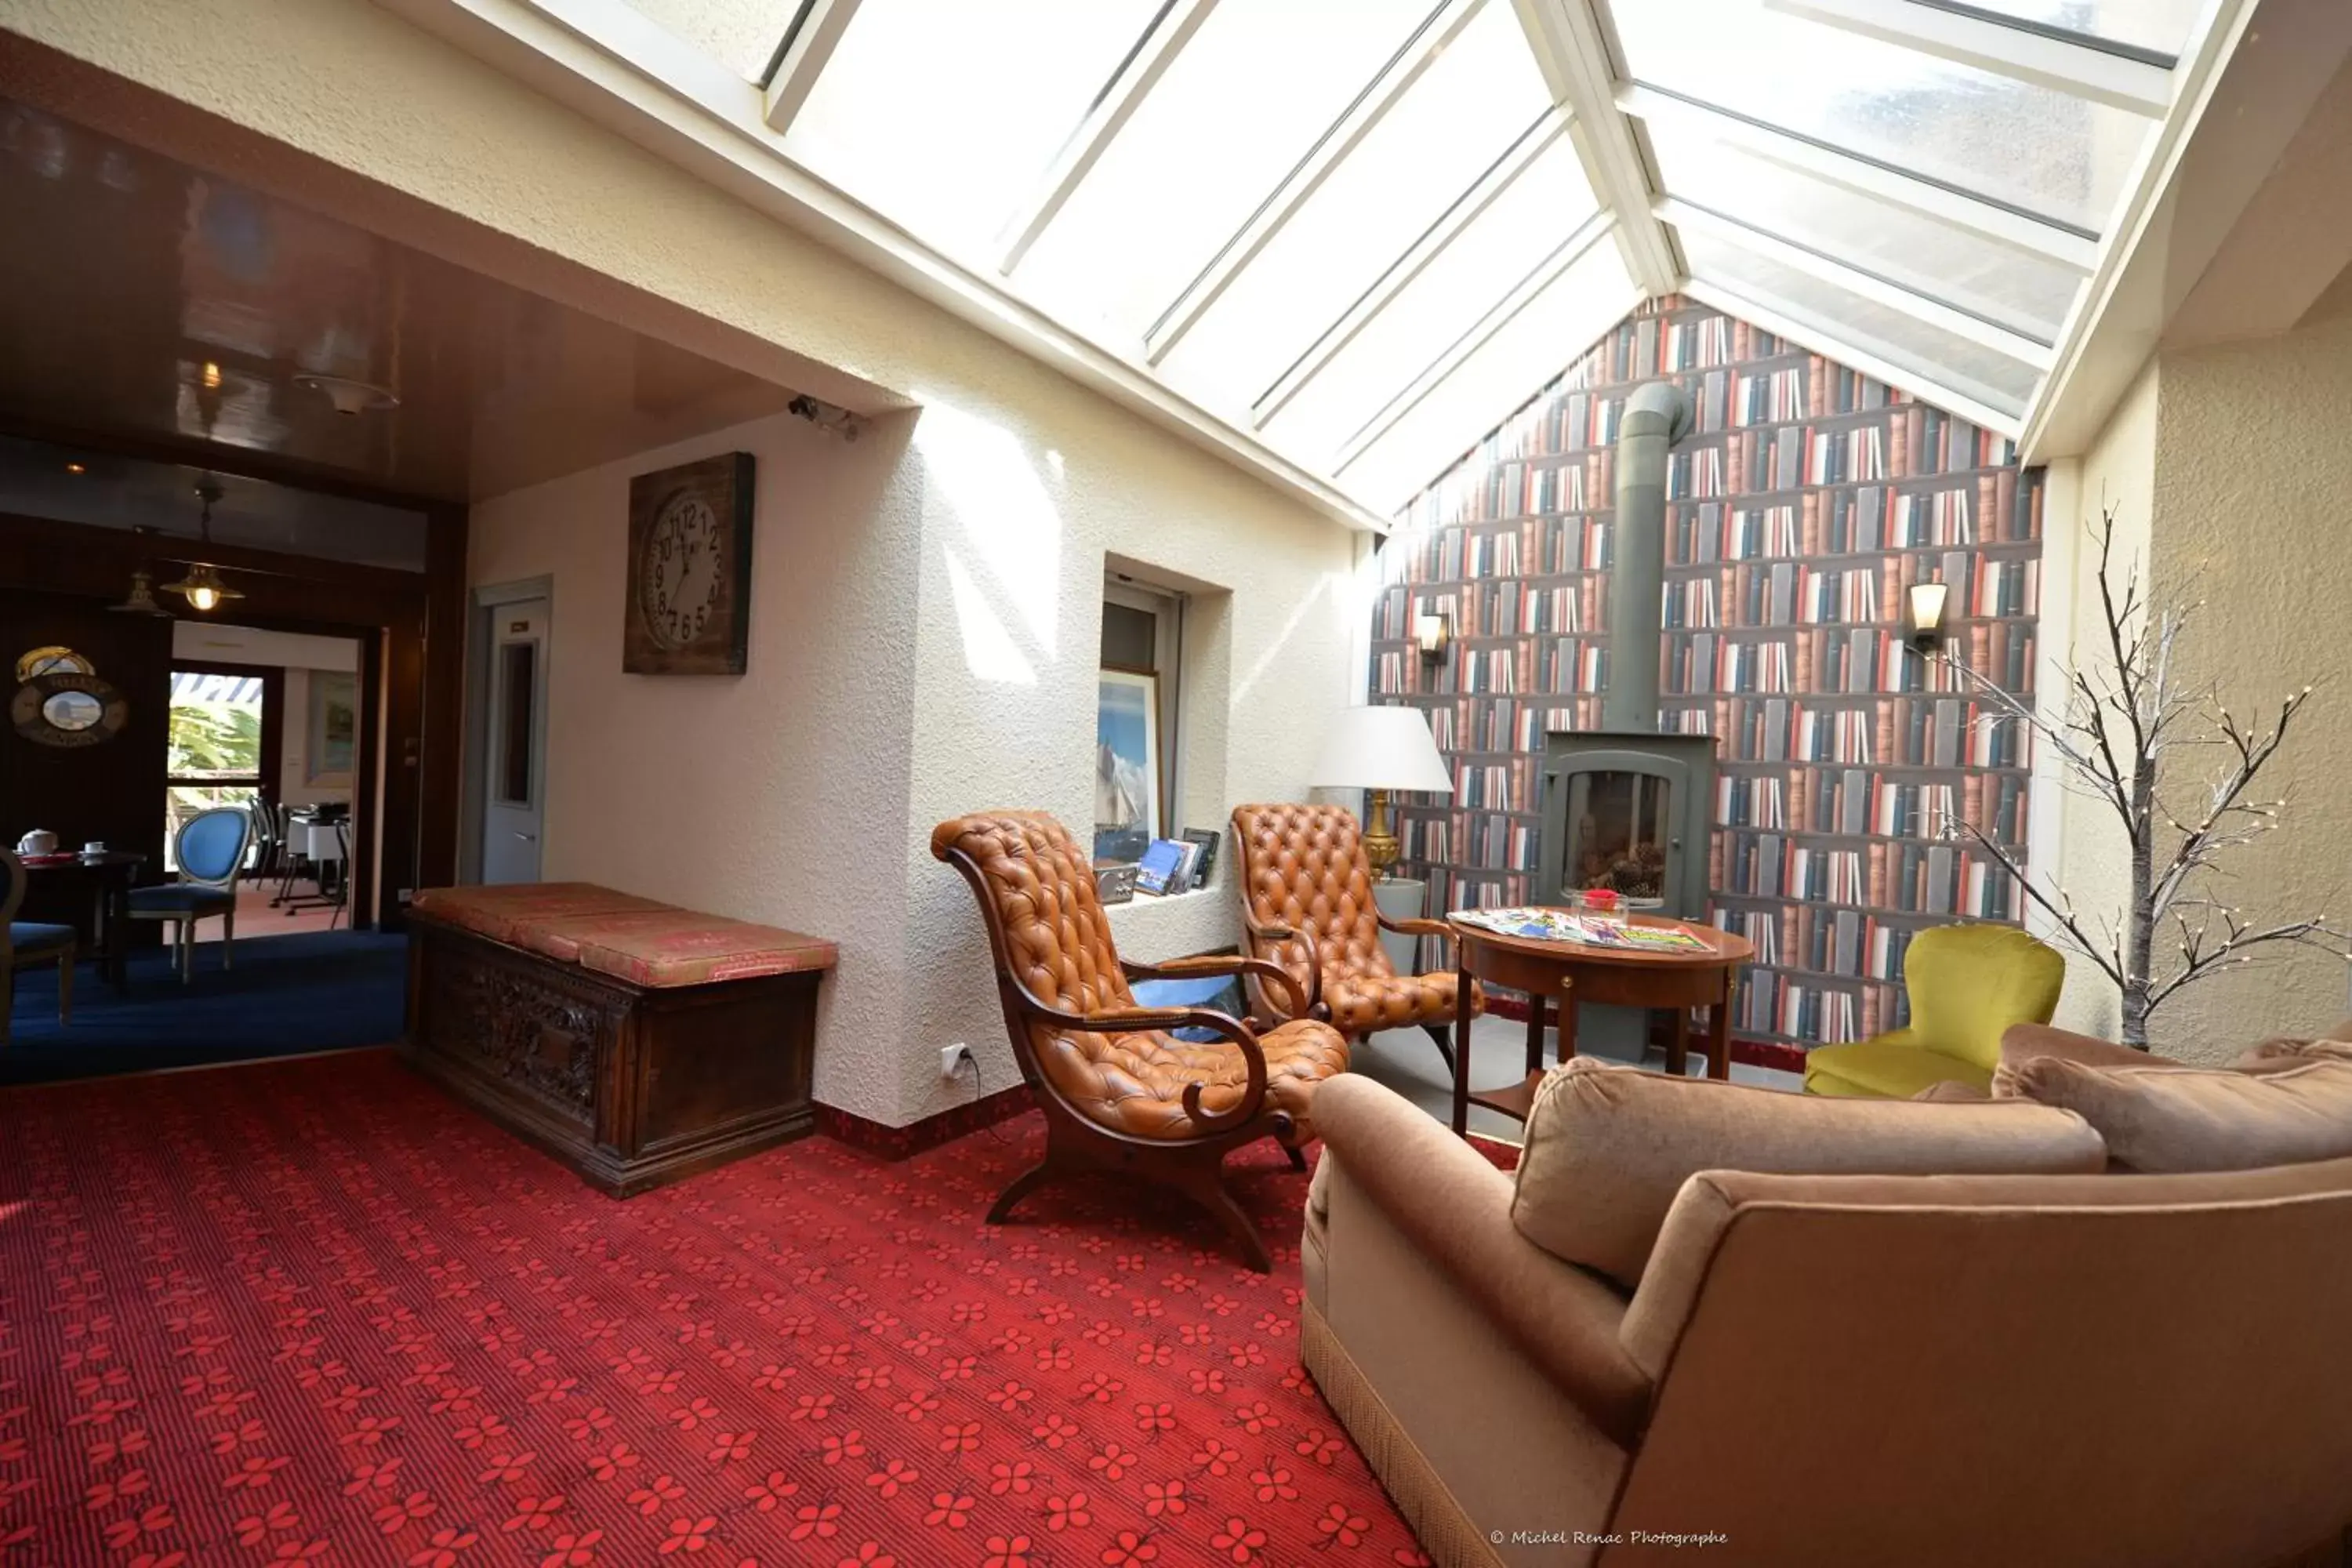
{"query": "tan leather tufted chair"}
(1120, 1093)
(1306, 904)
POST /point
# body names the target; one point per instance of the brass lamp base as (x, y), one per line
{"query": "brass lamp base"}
(1380, 846)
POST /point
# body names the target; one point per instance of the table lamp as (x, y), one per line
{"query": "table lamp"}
(1376, 750)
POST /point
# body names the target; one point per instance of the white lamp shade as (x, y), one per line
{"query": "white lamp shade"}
(1381, 748)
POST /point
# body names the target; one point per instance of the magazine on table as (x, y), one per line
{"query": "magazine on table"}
(1592, 931)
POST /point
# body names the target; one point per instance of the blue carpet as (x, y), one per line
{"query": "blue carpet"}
(315, 992)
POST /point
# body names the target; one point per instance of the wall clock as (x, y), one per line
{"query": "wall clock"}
(689, 602)
(66, 708)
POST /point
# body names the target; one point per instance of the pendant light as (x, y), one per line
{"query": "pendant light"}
(204, 587)
(141, 600)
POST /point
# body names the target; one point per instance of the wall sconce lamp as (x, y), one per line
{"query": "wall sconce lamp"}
(1430, 633)
(1927, 616)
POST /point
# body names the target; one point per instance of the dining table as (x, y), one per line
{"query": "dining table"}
(109, 874)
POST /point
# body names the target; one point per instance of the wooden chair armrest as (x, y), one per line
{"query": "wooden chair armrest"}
(1415, 926)
(1214, 964)
(1313, 1007)
(1136, 1020)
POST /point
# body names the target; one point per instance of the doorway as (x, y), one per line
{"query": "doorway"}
(509, 776)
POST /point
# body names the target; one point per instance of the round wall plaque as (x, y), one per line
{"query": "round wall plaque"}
(54, 659)
(61, 709)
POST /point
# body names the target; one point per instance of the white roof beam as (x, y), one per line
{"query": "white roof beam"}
(1988, 220)
(1395, 78)
(1980, 406)
(1532, 145)
(2078, 69)
(816, 35)
(1140, 74)
(1571, 252)
(1868, 285)
(1572, 52)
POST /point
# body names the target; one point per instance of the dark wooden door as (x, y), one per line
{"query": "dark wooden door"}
(112, 792)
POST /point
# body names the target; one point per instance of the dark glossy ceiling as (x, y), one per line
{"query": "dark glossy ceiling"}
(143, 299)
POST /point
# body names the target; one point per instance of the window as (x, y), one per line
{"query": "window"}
(519, 674)
(1136, 736)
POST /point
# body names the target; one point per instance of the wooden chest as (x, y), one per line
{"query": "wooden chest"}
(631, 1085)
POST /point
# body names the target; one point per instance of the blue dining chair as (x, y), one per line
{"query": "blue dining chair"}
(28, 942)
(211, 854)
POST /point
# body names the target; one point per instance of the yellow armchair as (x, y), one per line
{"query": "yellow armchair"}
(1966, 985)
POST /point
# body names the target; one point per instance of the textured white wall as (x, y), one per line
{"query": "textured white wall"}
(2254, 479)
(2088, 856)
(926, 616)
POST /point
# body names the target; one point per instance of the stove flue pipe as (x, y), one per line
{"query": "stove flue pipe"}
(1657, 415)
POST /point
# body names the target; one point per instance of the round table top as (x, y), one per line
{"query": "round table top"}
(1723, 947)
(75, 858)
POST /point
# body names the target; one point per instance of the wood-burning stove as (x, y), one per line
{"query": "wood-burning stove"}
(1630, 812)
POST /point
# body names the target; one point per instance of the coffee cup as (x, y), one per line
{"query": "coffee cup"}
(95, 846)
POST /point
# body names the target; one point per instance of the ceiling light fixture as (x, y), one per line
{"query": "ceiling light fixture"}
(77, 467)
(141, 600)
(204, 586)
(350, 398)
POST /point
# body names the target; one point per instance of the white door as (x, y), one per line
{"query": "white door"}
(514, 795)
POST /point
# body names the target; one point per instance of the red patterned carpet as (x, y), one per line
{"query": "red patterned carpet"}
(312, 1313)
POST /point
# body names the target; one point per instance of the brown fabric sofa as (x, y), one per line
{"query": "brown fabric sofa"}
(2136, 1370)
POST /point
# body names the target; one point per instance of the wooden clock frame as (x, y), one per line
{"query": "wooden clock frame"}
(725, 486)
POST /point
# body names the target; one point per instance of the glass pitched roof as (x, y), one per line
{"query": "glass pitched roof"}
(1363, 232)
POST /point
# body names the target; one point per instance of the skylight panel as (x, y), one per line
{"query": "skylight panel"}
(2156, 27)
(942, 115)
(2027, 294)
(1523, 355)
(1519, 232)
(1936, 356)
(2032, 148)
(1423, 157)
(1247, 98)
(741, 34)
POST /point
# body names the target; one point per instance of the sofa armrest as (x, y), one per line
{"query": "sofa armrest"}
(2022, 1042)
(1457, 1209)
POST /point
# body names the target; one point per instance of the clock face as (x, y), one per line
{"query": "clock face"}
(682, 571)
(688, 606)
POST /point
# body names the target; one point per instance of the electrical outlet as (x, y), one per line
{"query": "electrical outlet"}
(952, 1057)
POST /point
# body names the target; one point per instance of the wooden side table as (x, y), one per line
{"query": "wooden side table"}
(1570, 973)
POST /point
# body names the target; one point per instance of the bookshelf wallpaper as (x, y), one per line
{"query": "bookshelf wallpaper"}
(1807, 501)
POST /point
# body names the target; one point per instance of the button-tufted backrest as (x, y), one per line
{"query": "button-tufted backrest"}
(1303, 867)
(1046, 923)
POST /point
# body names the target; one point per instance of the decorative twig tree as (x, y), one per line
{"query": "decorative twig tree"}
(2115, 735)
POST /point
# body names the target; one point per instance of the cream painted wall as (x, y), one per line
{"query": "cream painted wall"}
(777, 796)
(2252, 486)
(2078, 841)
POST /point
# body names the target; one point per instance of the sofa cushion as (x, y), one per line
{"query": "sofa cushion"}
(1608, 1147)
(2276, 1053)
(2165, 1119)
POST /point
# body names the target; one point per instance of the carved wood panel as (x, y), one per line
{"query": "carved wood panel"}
(519, 1030)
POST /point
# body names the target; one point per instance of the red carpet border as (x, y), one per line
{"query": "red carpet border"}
(315, 1314)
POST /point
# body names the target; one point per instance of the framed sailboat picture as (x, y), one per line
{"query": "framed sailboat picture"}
(1127, 754)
